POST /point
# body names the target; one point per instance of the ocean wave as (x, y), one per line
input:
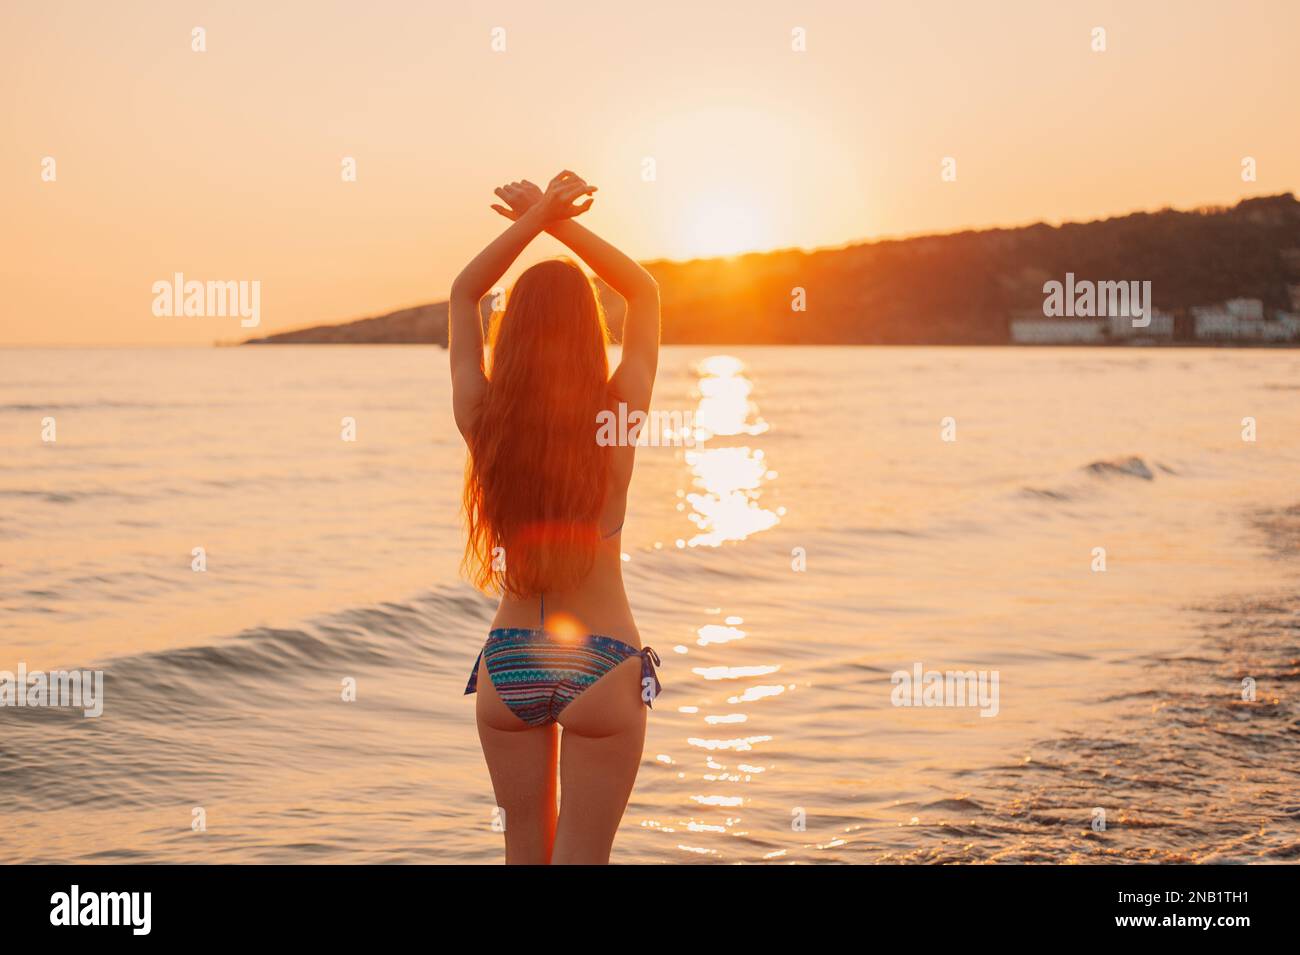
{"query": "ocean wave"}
(1047, 493)
(71, 496)
(1132, 466)
(49, 497)
(1280, 528)
(28, 407)
(200, 722)
(387, 634)
(390, 635)
(1156, 777)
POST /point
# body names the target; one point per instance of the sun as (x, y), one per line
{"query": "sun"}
(726, 224)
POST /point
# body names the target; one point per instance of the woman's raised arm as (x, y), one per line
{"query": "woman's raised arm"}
(464, 323)
(634, 379)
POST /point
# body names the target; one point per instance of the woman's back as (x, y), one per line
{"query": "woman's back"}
(545, 502)
(598, 604)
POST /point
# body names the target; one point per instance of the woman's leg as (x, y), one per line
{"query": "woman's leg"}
(521, 760)
(604, 732)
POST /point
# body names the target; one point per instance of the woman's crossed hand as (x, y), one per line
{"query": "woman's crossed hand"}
(559, 201)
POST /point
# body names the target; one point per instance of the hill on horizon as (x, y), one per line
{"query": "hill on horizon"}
(954, 288)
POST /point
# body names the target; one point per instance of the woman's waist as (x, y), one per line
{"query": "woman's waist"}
(569, 619)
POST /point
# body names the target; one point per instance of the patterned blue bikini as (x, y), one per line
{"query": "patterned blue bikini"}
(537, 675)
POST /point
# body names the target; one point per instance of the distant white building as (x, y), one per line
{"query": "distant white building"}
(1120, 327)
(1242, 319)
(1234, 319)
(1058, 331)
(1248, 309)
(1285, 329)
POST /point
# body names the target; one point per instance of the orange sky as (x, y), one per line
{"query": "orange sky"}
(226, 164)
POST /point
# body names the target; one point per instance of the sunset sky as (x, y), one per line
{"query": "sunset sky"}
(226, 164)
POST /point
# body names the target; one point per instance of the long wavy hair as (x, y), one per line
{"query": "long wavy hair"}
(535, 476)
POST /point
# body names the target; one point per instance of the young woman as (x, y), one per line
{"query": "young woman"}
(544, 503)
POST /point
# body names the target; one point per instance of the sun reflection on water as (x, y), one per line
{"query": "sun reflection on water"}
(725, 408)
(729, 478)
(713, 633)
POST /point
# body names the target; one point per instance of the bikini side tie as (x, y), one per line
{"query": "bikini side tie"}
(649, 660)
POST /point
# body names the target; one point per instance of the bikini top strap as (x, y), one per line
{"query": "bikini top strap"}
(543, 611)
(614, 532)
